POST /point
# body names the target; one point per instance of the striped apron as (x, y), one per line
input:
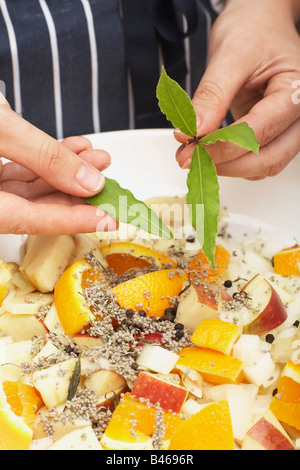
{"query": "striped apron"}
(74, 67)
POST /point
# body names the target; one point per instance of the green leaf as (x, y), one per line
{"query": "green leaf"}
(240, 134)
(74, 381)
(122, 205)
(203, 200)
(175, 103)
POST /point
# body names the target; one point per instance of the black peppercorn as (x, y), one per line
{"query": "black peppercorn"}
(270, 338)
(228, 284)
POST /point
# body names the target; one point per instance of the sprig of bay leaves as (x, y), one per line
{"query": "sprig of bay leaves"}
(203, 197)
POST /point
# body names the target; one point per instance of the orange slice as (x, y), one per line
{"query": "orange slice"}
(287, 261)
(286, 403)
(214, 366)
(133, 422)
(200, 268)
(152, 292)
(123, 256)
(69, 298)
(209, 429)
(18, 405)
(216, 334)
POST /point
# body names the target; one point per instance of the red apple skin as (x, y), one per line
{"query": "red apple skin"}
(206, 295)
(156, 337)
(270, 318)
(170, 397)
(269, 436)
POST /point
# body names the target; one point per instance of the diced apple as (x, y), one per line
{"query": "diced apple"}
(84, 245)
(240, 400)
(197, 303)
(53, 382)
(267, 434)
(60, 426)
(22, 327)
(88, 366)
(105, 381)
(191, 407)
(45, 260)
(84, 341)
(149, 337)
(169, 396)
(191, 380)
(268, 311)
(11, 356)
(52, 321)
(260, 372)
(247, 349)
(22, 284)
(80, 439)
(5, 280)
(157, 359)
(41, 444)
(29, 304)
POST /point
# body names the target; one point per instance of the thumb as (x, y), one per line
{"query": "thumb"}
(222, 80)
(56, 164)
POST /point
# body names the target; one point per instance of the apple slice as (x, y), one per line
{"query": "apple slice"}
(105, 381)
(197, 303)
(268, 310)
(45, 259)
(84, 341)
(170, 397)
(53, 383)
(80, 439)
(28, 304)
(22, 327)
(267, 434)
(157, 359)
(148, 338)
(11, 356)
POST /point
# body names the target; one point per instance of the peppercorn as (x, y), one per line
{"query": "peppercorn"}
(270, 338)
(179, 334)
(228, 284)
(142, 313)
(274, 392)
(130, 312)
(190, 238)
(170, 311)
(296, 323)
(179, 326)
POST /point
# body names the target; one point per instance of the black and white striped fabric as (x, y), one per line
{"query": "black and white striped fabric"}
(75, 67)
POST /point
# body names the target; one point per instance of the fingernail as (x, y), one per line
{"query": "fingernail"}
(90, 178)
(187, 164)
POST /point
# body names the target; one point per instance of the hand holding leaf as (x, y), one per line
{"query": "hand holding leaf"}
(202, 181)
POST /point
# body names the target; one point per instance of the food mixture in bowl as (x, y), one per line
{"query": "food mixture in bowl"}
(109, 343)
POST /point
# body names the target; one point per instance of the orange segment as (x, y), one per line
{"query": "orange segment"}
(123, 256)
(18, 405)
(133, 421)
(286, 403)
(69, 298)
(152, 292)
(216, 334)
(287, 261)
(209, 429)
(214, 366)
(200, 268)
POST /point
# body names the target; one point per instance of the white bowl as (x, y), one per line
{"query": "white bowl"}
(144, 162)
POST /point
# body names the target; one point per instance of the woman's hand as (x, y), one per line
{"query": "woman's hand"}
(254, 64)
(42, 185)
